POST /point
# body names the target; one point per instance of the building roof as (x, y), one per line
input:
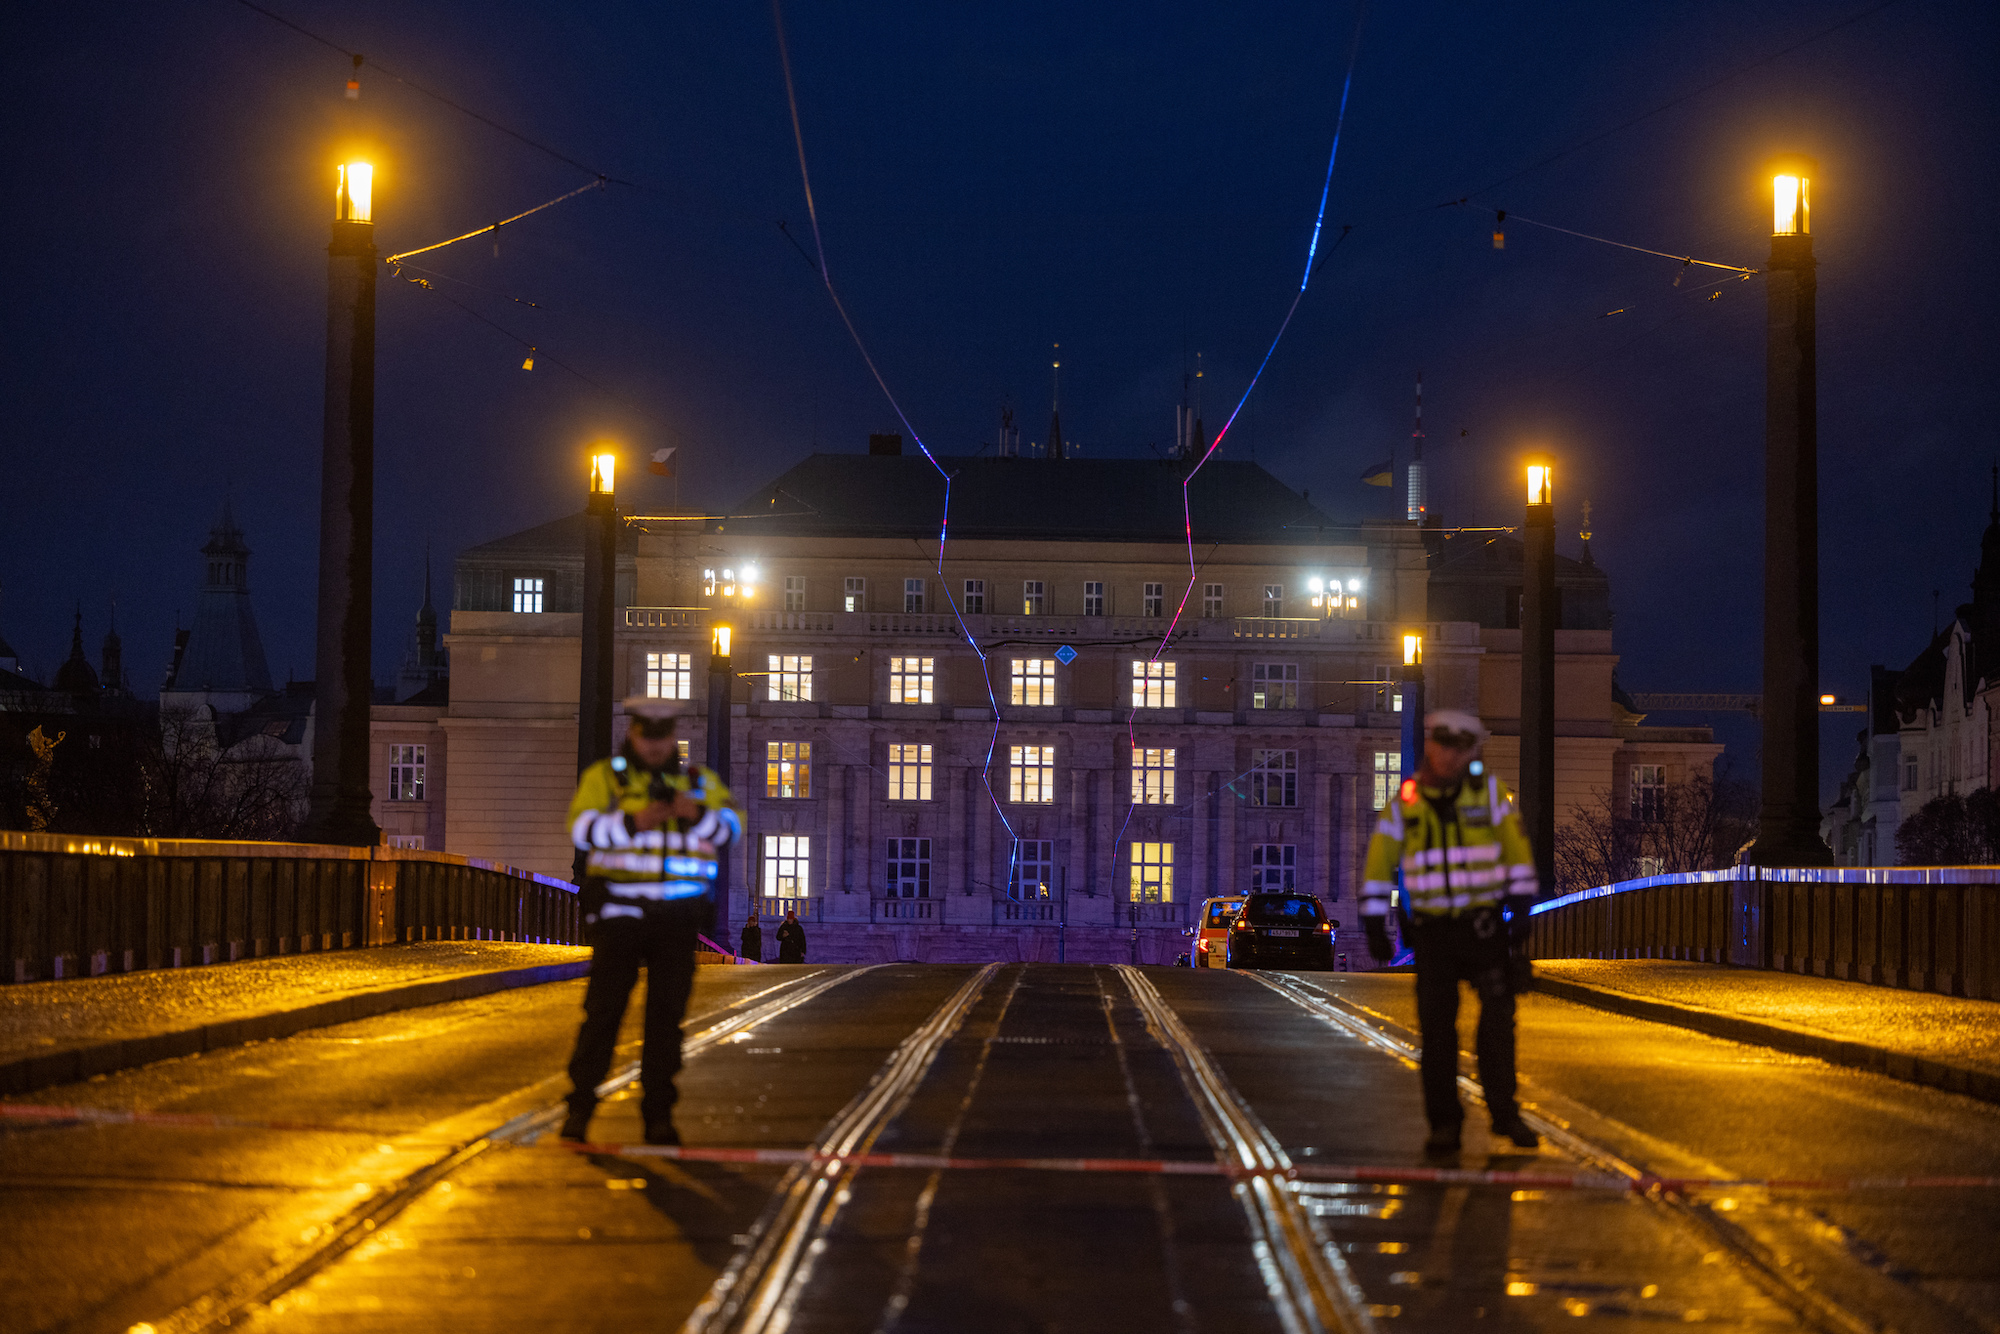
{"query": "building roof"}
(1101, 500)
(560, 540)
(224, 651)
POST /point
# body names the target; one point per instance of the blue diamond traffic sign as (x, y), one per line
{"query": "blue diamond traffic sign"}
(1065, 655)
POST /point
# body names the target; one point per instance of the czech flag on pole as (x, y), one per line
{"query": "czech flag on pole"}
(663, 462)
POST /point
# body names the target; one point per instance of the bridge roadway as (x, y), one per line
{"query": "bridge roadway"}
(344, 1179)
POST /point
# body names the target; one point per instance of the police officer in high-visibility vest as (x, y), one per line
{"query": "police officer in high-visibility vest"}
(652, 828)
(1468, 877)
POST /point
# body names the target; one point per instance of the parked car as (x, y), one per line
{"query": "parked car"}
(1280, 931)
(1211, 929)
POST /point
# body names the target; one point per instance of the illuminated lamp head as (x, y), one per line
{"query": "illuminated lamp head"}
(354, 192)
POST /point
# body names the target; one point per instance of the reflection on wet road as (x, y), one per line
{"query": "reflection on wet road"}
(109, 1226)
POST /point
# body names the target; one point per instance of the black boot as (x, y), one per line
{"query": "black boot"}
(1515, 1129)
(1443, 1142)
(576, 1125)
(662, 1132)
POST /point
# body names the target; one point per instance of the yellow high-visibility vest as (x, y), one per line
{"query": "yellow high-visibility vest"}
(1474, 859)
(676, 861)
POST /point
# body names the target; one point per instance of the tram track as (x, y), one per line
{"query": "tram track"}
(1838, 1295)
(1309, 1283)
(759, 1291)
(322, 1243)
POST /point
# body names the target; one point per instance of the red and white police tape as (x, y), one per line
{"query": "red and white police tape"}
(1332, 1172)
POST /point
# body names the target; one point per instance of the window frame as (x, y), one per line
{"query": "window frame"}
(1274, 601)
(409, 767)
(1034, 597)
(666, 672)
(854, 592)
(1093, 597)
(912, 674)
(1262, 864)
(778, 763)
(795, 592)
(1648, 792)
(794, 850)
(1039, 853)
(1211, 602)
(1024, 680)
(915, 854)
(1031, 775)
(1153, 770)
(530, 588)
(1264, 773)
(1388, 776)
(975, 597)
(1144, 856)
(1153, 600)
(789, 685)
(1286, 680)
(1154, 683)
(913, 597)
(909, 771)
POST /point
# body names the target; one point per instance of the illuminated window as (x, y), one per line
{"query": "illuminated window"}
(1274, 778)
(910, 680)
(909, 772)
(1034, 871)
(686, 751)
(1093, 598)
(1034, 598)
(795, 592)
(1031, 773)
(1153, 776)
(1152, 684)
(791, 676)
(1211, 600)
(1153, 601)
(670, 675)
(406, 773)
(788, 769)
(909, 868)
(1274, 685)
(1388, 775)
(856, 595)
(528, 595)
(414, 842)
(1152, 873)
(1273, 867)
(787, 858)
(1274, 599)
(1388, 699)
(913, 596)
(1033, 682)
(975, 597)
(1649, 791)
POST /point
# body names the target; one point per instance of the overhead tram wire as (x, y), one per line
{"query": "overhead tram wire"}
(494, 227)
(944, 524)
(433, 94)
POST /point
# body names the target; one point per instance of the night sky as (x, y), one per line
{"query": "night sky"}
(1137, 183)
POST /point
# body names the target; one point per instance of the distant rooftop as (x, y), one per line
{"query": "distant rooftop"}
(1103, 500)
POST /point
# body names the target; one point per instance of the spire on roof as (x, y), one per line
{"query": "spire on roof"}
(75, 674)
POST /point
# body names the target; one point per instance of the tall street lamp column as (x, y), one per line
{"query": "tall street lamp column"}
(600, 578)
(1788, 821)
(720, 676)
(1538, 672)
(338, 807)
(1410, 689)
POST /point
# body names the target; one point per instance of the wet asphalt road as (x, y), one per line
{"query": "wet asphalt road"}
(108, 1226)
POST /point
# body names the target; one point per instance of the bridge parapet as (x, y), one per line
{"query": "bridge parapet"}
(1921, 928)
(72, 905)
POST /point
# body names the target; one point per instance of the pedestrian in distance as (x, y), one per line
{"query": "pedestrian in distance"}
(652, 829)
(791, 939)
(1468, 877)
(751, 943)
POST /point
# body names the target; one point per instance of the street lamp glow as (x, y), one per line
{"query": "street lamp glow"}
(1826, 699)
(1413, 650)
(1317, 585)
(354, 192)
(603, 467)
(1541, 484)
(722, 641)
(1791, 205)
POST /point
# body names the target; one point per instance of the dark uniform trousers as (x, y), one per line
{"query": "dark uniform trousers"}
(1470, 947)
(664, 941)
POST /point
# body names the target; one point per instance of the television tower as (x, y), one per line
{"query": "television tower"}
(1418, 498)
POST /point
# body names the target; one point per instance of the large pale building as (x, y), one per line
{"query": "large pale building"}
(1115, 742)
